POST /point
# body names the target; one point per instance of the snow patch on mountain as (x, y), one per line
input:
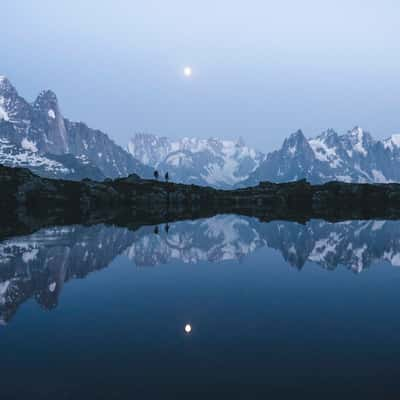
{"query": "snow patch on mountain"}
(324, 152)
(11, 155)
(324, 247)
(378, 225)
(393, 142)
(29, 145)
(378, 176)
(29, 256)
(357, 134)
(52, 287)
(392, 257)
(3, 111)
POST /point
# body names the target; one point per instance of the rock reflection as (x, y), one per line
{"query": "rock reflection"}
(38, 265)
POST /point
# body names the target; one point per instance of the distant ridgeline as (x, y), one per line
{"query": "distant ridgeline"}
(352, 157)
(37, 136)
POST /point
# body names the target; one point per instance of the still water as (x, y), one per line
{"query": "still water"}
(225, 307)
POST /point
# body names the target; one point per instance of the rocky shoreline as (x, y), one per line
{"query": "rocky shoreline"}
(25, 196)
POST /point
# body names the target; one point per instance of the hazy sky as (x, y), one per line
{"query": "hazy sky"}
(262, 69)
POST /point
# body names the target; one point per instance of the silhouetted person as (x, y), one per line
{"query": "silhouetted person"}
(156, 230)
(166, 177)
(166, 228)
(156, 174)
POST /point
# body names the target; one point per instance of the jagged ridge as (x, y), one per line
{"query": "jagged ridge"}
(40, 128)
(353, 157)
(215, 162)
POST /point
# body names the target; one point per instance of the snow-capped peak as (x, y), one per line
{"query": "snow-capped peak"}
(354, 156)
(296, 144)
(209, 161)
(359, 140)
(39, 128)
(6, 88)
(329, 135)
(325, 149)
(7, 92)
(4, 80)
(357, 131)
(393, 142)
(296, 136)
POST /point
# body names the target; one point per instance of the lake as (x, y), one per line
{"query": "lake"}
(224, 307)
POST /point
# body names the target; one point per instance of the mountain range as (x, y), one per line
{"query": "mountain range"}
(351, 157)
(37, 136)
(207, 162)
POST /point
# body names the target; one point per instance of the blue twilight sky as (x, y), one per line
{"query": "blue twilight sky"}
(261, 69)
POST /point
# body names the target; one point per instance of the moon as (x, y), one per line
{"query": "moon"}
(187, 71)
(188, 328)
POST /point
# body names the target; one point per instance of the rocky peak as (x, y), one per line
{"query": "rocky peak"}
(46, 97)
(148, 148)
(13, 108)
(392, 143)
(329, 133)
(6, 88)
(47, 103)
(240, 142)
(357, 131)
(328, 138)
(296, 137)
(358, 140)
(40, 128)
(296, 143)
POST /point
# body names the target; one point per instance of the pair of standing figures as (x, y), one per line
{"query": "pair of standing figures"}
(156, 175)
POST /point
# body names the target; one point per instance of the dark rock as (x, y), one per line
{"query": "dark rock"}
(297, 200)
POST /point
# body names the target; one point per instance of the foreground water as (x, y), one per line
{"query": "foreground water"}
(220, 307)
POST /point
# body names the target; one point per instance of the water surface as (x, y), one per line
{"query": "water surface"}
(278, 308)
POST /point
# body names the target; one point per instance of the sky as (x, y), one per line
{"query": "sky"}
(261, 69)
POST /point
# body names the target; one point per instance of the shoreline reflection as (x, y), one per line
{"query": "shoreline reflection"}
(38, 265)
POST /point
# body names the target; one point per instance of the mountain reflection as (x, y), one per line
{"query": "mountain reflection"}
(38, 265)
